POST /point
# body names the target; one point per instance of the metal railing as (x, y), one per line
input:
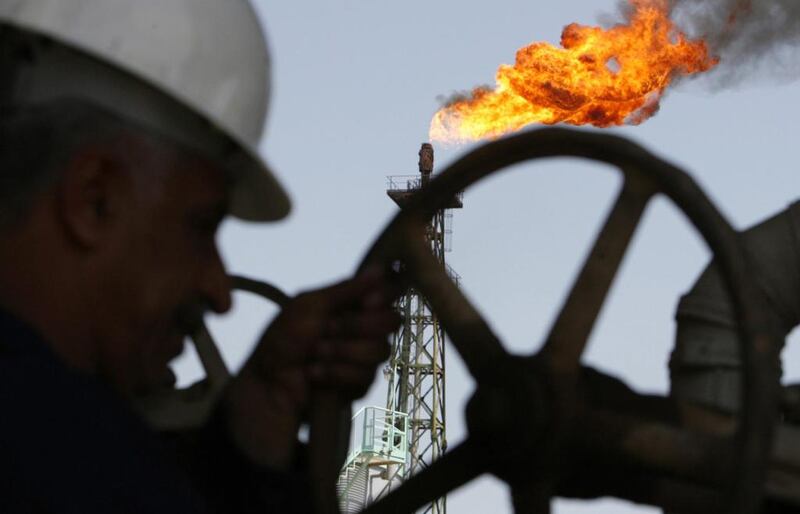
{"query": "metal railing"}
(410, 183)
(403, 182)
(379, 432)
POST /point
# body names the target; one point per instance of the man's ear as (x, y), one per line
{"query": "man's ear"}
(90, 195)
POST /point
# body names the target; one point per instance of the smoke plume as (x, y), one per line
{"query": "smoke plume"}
(752, 38)
(755, 40)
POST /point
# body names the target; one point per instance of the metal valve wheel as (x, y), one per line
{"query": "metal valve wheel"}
(210, 357)
(565, 427)
(183, 409)
(327, 419)
(217, 374)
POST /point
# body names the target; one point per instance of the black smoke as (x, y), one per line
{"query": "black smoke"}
(752, 38)
(755, 40)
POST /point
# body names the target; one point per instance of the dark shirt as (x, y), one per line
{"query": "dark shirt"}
(69, 444)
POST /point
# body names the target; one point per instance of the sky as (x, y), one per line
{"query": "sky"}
(355, 83)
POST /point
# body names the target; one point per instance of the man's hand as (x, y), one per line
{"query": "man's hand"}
(331, 338)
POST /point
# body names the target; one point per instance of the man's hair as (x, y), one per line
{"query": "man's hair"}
(34, 140)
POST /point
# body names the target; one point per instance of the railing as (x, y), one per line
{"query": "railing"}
(409, 183)
(379, 432)
(403, 182)
(455, 277)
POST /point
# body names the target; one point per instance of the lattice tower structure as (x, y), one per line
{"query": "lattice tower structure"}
(416, 368)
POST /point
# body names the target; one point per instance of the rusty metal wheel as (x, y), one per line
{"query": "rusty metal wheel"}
(184, 409)
(328, 421)
(207, 350)
(562, 429)
(216, 371)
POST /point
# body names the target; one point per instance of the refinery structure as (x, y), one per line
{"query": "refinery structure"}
(395, 441)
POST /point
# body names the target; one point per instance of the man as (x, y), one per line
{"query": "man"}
(127, 133)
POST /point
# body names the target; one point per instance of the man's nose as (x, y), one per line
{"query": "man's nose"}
(217, 286)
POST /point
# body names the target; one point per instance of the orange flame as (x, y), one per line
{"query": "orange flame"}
(601, 77)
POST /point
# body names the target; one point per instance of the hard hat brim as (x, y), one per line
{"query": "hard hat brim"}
(256, 194)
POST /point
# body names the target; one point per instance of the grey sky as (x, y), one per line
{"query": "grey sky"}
(355, 85)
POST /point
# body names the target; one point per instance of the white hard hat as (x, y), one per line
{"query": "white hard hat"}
(195, 70)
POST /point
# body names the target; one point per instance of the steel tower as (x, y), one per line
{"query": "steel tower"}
(389, 444)
(416, 368)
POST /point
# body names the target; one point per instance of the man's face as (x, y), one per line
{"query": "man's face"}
(162, 267)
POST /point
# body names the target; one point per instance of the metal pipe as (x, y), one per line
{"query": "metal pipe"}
(705, 365)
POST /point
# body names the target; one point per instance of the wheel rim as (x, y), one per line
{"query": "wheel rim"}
(645, 175)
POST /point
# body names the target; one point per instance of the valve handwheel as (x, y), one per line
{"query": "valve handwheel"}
(554, 426)
(185, 409)
(327, 418)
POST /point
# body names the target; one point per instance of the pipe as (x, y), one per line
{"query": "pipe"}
(705, 366)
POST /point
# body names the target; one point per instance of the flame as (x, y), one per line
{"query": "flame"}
(600, 76)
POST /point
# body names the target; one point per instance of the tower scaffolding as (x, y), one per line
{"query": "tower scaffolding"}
(409, 434)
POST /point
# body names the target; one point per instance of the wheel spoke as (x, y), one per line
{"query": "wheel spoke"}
(655, 446)
(260, 288)
(532, 499)
(569, 334)
(210, 357)
(476, 343)
(457, 467)
(647, 488)
(684, 497)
